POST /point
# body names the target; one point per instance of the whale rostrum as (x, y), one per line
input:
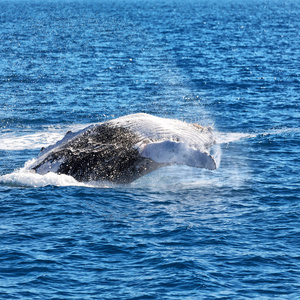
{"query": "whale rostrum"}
(124, 149)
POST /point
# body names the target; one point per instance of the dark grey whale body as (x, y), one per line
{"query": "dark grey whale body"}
(124, 149)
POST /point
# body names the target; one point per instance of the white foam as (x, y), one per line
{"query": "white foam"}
(228, 137)
(28, 178)
(29, 141)
(22, 140)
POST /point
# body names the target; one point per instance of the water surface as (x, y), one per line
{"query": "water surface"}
(178, 233)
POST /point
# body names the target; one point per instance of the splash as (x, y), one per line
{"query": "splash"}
(216, 152)
(228, 137)
(25, 177)
(176, 176)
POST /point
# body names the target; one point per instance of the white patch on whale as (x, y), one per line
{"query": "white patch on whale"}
(178, 153)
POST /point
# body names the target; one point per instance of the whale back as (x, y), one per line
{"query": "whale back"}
(150, 128)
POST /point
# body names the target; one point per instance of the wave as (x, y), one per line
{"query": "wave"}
(229, 137)
(26, 178)
(22, 141)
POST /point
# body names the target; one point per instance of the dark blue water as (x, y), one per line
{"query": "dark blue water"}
(178, 233)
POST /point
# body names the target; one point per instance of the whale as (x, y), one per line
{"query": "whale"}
(124, 149)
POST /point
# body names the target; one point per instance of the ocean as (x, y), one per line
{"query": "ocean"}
(179, 232)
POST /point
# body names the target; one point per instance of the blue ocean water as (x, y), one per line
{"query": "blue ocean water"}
(177, 233)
